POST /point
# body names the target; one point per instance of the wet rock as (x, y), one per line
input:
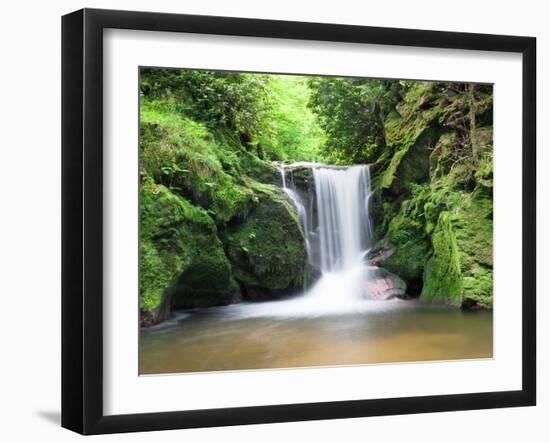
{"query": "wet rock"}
(383, 285)
(379, 256)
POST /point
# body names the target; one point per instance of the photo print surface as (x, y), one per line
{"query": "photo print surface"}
(294, 221)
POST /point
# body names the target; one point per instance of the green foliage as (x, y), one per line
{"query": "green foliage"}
(239, 102)
(352, 113)
(267, 115)
(186, 157)
(295, 133)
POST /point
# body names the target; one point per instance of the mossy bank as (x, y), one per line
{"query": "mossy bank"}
(215, 227)
(434, 194)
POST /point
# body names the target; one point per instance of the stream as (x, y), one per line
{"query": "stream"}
(232, 338)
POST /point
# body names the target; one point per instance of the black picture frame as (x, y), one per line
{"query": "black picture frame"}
(82, 220)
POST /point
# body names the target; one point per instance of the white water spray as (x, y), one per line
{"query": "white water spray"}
(343, 210)
(338, 234)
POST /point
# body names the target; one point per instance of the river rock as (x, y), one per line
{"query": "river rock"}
(383, 285)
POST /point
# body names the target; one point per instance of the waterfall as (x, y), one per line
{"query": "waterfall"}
(332, 203)
(335, 216)
(338, 233)
(342, 197)
(300, 208)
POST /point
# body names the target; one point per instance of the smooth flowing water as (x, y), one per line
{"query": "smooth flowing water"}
(343, 212)
(226, 338)
(333, 322)
(338, 234)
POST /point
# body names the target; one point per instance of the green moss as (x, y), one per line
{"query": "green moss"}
(268, 250)
(477, 286)
(444, 237)
(411, 140)
(157, 272)
(194, 162)
(208, 280)
(433, 207)
(428, 136)
(460, 269)
(198, 180)
(442, 276)
(410, 247)
(475, 229)
(178, 244)
(474, 235)
(414, 167)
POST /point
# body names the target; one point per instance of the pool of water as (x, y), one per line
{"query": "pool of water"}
(268, 336)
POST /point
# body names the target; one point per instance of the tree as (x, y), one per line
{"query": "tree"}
(238, 102)
(352, 113)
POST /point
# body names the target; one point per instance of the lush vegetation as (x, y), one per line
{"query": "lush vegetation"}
(352, 114)
(216, 228)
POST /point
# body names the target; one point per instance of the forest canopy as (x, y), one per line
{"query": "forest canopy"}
(280, 117)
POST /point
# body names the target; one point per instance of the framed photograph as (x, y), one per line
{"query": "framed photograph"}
(269, 221)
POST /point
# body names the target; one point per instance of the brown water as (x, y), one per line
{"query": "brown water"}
(246, 337)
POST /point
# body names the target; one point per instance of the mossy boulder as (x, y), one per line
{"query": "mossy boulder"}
(268, 251)
(409, 247)
(460, 270)
(180, 253)
(406, 245)
(474, 236)
(443, 276)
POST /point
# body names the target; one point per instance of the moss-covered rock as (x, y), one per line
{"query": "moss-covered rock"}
(433, 204)
(443, 276)
(268, 251)
(180, 253)
(411, 135)
(460, 270)
(198, 164)
(409, 246)
(474, 235)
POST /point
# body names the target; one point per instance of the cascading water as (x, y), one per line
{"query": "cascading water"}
(342, 197)
(300, 209)
(338, 233)
(343, 233)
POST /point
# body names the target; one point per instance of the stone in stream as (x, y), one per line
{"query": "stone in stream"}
(383, 285)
